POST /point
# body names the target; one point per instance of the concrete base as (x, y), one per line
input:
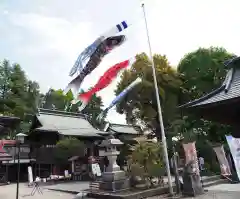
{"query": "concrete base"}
(114, 186)
(129, 194)
(113, 176)
(192, 185)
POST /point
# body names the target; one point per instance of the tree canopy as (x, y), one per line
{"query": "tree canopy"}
(140, 103)
(67, 148)
(198, 73)
(18, 94)
(21, 97)
(203, 70)
(55, 99)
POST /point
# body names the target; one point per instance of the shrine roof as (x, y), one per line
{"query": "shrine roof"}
(6, 121)
(66, 123)
(230, 88)
(125, 129)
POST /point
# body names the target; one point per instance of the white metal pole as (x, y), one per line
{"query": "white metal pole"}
(159, 109)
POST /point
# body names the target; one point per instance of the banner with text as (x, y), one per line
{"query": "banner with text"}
(191, 155)
(234, 146)
(222, 159)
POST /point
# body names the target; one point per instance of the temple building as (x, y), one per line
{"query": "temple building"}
(48, 127)
(51, 126)
(8, 151)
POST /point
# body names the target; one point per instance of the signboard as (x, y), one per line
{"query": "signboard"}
(223, 162)
(234, 146)
(30, 175)
(96, 169)
(77, 167)
(13, 151)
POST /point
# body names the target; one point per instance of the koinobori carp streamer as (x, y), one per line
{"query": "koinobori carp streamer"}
(103, 82)
(104, 48)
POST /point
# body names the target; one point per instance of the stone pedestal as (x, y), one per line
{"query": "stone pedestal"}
(117, 185)
(113, 176)
(114, 179)
(192, 185)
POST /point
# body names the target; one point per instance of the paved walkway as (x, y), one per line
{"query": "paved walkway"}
(9, 192)
(74, 187)
(222, 191)
(219, 195)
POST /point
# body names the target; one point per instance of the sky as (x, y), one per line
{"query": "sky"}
(46, 36)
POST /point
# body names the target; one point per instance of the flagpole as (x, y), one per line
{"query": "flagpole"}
(159, 108)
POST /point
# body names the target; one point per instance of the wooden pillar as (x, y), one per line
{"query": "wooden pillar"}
(35, 170)
(73, 166)
(6, 172)
(39, 168)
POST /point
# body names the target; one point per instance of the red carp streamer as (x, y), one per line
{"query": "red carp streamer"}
(102, 83)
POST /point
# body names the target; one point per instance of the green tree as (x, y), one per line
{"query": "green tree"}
(18, 94)
(55, 99)
(93, 109)
(67, 148)
(146, 160)
(140, 104)
(202, 71)
(5, 75)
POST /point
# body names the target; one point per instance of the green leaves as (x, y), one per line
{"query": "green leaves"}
(203, 70)
(18, 95)
(67, 148)
(140, 103)
(57, 100)
(146, 160)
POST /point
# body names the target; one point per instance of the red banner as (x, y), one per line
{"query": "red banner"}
(223, 162)
(191, 155)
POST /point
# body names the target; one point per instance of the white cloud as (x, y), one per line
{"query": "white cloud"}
(55, 34)
(5, 12)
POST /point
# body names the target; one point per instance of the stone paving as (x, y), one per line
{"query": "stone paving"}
(219, 195)
(69, 187)
(223, 191)
(9, 192)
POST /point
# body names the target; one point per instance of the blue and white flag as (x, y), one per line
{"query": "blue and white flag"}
(87, 53)
(119, 97)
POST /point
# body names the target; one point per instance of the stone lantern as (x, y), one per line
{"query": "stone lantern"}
(113, 179)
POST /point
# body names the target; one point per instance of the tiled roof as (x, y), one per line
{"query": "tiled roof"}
(125, 129)
(67, 124)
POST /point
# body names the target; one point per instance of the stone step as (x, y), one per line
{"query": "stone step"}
(214, 182)
(211, 178)
(94, 185)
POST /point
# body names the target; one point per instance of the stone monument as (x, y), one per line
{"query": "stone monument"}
(113, 179)
(192, 185)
